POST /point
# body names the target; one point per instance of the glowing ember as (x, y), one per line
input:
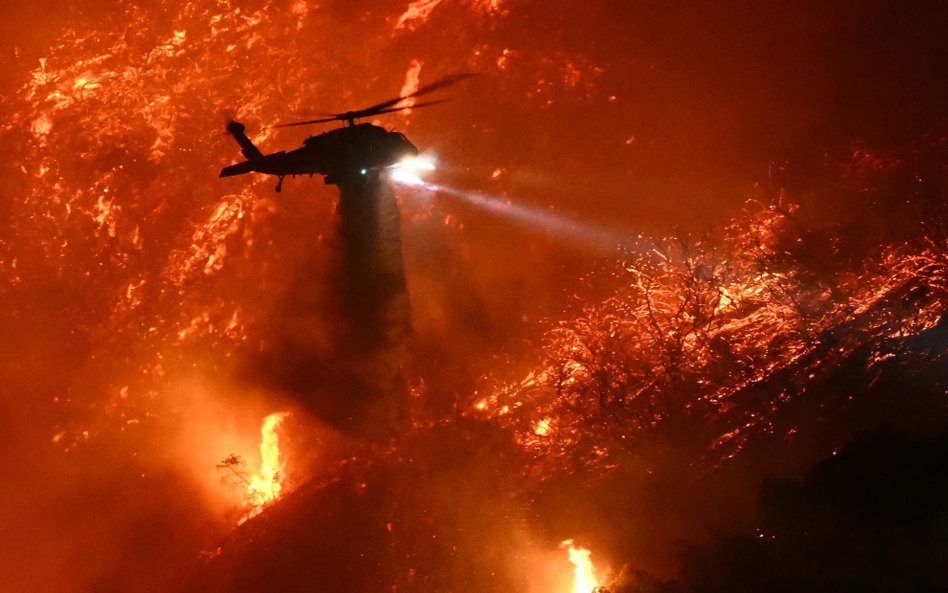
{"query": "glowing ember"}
(584, 580)
(542, 428)
(265, 487)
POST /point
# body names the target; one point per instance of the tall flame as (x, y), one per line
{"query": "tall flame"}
(267, 484)
(584, 580)
(411, 85)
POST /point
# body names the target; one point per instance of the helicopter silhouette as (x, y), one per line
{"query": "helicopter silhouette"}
(346, 155)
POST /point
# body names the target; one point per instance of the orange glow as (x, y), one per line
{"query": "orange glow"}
(267, 484)
(154, 314)
(584, 579)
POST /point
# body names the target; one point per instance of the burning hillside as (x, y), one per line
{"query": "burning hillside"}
(711, 360)
(191, 399)
(728, 341)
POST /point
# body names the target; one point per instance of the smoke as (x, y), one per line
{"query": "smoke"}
(339, 339)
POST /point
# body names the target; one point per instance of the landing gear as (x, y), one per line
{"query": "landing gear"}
(279, 186)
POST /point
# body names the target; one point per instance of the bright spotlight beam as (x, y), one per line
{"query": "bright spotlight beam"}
(592, 236)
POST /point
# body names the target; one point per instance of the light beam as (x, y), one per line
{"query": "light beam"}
(583, 233)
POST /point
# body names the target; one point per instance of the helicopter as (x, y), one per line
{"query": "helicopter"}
(346, 155)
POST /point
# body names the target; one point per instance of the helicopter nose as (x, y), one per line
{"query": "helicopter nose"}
(407, 150)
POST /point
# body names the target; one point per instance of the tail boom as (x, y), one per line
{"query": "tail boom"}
(238, 169)
(251, 152)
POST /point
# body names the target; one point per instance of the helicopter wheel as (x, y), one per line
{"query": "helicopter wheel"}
(279, 186)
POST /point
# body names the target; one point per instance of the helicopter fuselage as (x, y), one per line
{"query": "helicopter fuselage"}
(343, 155)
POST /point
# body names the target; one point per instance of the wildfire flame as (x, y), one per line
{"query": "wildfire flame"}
(411, 85)
(266, 486)
(584, 580)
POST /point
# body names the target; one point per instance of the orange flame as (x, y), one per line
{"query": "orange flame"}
(584, 580)
(265, 486)
(411, 84)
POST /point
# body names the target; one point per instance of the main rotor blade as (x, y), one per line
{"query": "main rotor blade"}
(415, 106)
(390, 105)
(424, 90)
(309, 121)
(360, 114)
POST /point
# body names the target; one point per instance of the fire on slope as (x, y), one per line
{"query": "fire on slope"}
(123, 275)
(584, 578)
(729, 340)
(132, 281)
(266, 486)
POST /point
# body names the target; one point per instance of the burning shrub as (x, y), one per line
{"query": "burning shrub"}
(714, 343)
